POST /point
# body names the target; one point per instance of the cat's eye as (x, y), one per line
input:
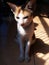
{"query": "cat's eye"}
(26, 17)
(17, 17)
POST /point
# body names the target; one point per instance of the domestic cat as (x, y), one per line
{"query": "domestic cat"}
(25, 29)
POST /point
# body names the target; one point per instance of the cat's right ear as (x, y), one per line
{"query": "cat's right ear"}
(12, 6)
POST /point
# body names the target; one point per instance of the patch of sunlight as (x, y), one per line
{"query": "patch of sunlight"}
(43, 56)
(40, 55)
(40, 30)
(46, 62)
(36, 19)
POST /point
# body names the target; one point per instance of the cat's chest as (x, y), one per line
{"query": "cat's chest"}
(21, 30)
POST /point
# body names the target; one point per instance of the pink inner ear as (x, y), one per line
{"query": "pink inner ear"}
(12, 6)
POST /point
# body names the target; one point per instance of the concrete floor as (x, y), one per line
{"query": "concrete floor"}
(39, 51)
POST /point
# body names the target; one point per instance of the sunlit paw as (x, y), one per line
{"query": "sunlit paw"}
(27, 59)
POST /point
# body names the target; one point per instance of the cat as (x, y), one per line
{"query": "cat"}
(25, 29)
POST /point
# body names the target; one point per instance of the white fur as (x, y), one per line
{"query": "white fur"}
(21, 30)
(21, 19)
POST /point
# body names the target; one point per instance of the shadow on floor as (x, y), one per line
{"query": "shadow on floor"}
(39, 46)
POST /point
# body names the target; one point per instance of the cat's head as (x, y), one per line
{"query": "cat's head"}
(21, 15)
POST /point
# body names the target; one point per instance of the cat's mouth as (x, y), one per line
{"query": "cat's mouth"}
(23, 25)
(26, 25)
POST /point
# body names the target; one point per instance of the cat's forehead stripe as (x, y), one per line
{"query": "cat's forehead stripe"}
(21, 12)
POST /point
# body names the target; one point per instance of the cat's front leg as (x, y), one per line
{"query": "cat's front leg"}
(21, 56)
(27, 58)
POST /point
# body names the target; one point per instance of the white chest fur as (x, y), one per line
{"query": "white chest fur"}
(21, 30)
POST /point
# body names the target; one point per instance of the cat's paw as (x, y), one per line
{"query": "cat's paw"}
(27, 59)
(21, 59)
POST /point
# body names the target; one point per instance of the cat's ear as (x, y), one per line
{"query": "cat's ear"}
(12, 6)
(28, 7)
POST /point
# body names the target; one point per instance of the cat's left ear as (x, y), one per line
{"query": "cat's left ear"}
(12, 6)
(27, 8)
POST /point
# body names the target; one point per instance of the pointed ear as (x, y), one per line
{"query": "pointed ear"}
(12, 6)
